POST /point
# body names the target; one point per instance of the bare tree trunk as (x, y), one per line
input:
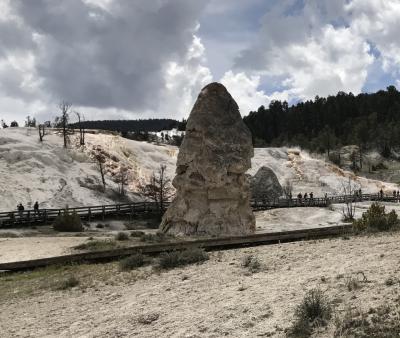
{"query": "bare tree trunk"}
(41, 132)
(64, 107)
(81, 129)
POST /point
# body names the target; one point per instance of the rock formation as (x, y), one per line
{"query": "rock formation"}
(213, 194)
(265, 185)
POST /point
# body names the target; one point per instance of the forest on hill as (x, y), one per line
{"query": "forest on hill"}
(322, 124)
(125, 126)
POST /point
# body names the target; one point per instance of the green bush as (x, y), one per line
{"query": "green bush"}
(68, 222)
(131, 262)
(314, 311)
(376, 219)
(173, 259)
(121, 236)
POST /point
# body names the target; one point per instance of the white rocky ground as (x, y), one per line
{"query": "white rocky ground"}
(216, 299)
(30, 170)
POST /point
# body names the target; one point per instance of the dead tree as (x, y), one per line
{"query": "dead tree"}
(100, 160)
(287, 189)
(122, 180)
(64, 107)
(351, 191)
(42, 132)
(159, 189)
(81, 128)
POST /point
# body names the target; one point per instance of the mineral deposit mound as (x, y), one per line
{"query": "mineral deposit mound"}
(213, 194)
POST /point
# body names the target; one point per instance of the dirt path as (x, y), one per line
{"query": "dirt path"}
(215, 299)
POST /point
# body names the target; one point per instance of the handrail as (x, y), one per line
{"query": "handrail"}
(261, 203)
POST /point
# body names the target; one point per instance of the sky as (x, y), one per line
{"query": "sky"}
(130, 59)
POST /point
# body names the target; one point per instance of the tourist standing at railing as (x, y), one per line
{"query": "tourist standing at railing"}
(311, 197)
(299, 197)
(36, 208)
(381, 194)
(21, 209)
(398, 195)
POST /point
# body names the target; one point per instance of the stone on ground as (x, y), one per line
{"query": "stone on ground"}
(213, 194)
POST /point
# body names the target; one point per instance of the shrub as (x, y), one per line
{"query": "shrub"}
(67, 283)
(97, 245)
(131, 262)
(169, 260)
(157, 237)
(376, 219)
(137, 233)
(352, 283)
(100, 226)
(193, 255)
(252, 263)
(381, 322)
(121, 236)
(314, 310)
(68, 222)
(173, 259)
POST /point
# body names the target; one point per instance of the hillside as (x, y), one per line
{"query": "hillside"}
(30, 170)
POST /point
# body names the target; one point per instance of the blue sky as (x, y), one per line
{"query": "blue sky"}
(116, 59)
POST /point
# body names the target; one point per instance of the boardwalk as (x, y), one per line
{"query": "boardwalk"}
(134, 210)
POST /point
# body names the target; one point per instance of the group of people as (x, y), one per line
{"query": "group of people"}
(306, 196)
(21, 209)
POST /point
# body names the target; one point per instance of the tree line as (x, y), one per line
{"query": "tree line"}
(141, 125)
(323, 124)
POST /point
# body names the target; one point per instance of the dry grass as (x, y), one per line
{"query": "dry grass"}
(61, 278)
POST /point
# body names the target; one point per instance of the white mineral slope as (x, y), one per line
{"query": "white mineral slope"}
(310, 174)
(46, 172)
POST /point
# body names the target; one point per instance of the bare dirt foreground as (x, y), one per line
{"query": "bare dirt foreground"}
(214, 299)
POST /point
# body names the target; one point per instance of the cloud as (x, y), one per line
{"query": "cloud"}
(379, 23)
(185, 80)
(138, 59)
(309, 49)
(107, 55)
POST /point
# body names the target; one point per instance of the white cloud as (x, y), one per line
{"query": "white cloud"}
(184, 81)
(244, 89)
(378, 22)
(313, 56)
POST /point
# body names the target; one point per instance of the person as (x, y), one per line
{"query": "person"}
(299, 197)
(381, 193)
(21, 210)
(394, 193)
(398, 194)
(36, 208)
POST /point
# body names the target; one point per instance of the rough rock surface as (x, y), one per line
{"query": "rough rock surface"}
(213, 194)
(265, 185)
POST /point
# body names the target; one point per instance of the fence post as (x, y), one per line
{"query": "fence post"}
(104, 212)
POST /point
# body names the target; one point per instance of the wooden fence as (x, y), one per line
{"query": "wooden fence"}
(134, 210)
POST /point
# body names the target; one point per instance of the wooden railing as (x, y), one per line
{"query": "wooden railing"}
(133, 210)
